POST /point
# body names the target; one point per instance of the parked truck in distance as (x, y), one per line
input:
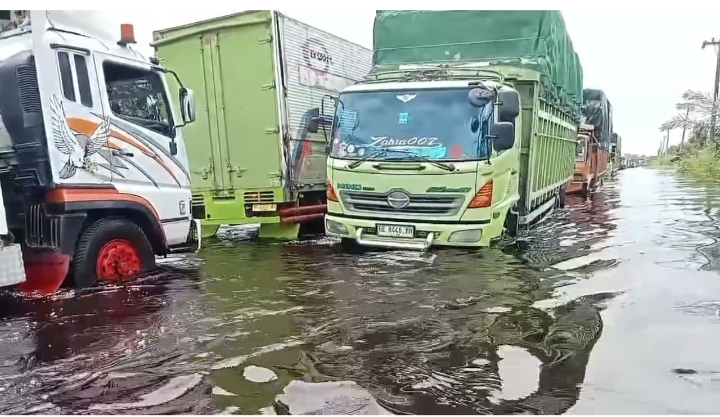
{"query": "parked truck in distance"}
(93, 169)
(591, 163)
(594, 142)
(259, 77)
(455, 137)
(615, 154)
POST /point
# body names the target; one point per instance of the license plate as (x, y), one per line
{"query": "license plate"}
(264, 207)
(394, 230)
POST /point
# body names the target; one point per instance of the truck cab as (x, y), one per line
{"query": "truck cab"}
(93, 166)
(591, 162)
(422, 163)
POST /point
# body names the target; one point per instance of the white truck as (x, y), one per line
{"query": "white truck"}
(93, 166)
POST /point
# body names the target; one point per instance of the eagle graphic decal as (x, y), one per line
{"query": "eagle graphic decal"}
(78, 147)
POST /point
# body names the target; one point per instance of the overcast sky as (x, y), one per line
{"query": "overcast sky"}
(643, 60)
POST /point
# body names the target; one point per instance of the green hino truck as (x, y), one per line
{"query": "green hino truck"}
(259, 78)
(455, 136)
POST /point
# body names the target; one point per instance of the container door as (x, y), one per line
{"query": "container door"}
(247, 106)
(211, 152)
(201, 141)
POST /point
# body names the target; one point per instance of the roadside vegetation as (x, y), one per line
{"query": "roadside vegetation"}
(698, 153)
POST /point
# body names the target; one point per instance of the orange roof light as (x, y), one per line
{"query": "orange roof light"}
(127, 34)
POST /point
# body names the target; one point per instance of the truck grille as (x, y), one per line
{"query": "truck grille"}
(259, 197)
(370, 202)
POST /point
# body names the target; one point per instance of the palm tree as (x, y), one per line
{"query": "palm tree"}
(698, 109)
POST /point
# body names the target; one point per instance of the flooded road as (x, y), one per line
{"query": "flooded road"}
(610, 306)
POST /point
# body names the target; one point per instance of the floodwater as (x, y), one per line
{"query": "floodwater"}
(610, 306)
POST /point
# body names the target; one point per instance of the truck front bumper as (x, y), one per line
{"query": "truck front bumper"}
(427, 235)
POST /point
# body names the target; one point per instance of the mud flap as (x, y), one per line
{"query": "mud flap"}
(208, 230)
(279, 231)
(45, 271)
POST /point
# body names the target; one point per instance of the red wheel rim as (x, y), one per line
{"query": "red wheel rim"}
(118, 259)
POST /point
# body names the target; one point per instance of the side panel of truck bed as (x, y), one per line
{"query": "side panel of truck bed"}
(315, 64)
(549, 139)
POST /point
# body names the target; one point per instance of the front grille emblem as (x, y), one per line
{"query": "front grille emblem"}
(398, 200)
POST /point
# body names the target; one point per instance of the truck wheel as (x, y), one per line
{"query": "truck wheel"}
(111, 249)
(349, 245)
(561, 198)
(512, 224)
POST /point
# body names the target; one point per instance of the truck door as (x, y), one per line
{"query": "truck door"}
(136, 104)
(69, 85)
(212, 154)
(201, 137)
(239, 69)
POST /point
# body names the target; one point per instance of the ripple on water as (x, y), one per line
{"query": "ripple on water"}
(508, 329)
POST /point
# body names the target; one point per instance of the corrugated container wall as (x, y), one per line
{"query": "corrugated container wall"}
(316, 64)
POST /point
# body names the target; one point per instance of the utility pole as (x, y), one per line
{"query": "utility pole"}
(667, 142)
(716, 44)
(682, 140)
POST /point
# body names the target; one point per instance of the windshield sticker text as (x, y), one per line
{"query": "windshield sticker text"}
(415, 142)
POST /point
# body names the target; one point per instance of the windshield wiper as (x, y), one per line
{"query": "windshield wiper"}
(415, 157)
(376, 154)
(411, 156)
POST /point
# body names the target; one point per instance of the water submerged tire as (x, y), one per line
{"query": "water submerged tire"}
(349, 245)
(111, 250)
(511, 224)
(561, 198)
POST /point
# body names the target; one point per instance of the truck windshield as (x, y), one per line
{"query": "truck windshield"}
(580, 153)
(433, 124)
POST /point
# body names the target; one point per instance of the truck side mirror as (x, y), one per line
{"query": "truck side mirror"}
(478, 97)
(503, 134)
(187, 105)
(316, 120)
(508, 105)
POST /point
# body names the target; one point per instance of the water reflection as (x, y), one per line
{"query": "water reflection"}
(426, 340)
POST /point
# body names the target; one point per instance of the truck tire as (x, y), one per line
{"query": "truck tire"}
(561, 198)
(512, 224)
(110, 250)
(348, 245)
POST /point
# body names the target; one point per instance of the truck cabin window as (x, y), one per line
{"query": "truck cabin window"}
(138, 96)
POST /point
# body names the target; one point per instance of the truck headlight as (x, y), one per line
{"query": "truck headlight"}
(335, 227)
(465, 236)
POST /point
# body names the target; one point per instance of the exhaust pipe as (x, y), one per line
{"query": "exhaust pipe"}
(294, 211)
(302, 219)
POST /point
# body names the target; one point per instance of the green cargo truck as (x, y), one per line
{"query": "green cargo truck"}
(455, 136)
(259, 78)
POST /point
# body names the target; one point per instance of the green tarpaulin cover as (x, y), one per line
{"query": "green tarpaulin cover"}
(535, 39)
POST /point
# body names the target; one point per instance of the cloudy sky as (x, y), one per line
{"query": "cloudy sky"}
(643, 60)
